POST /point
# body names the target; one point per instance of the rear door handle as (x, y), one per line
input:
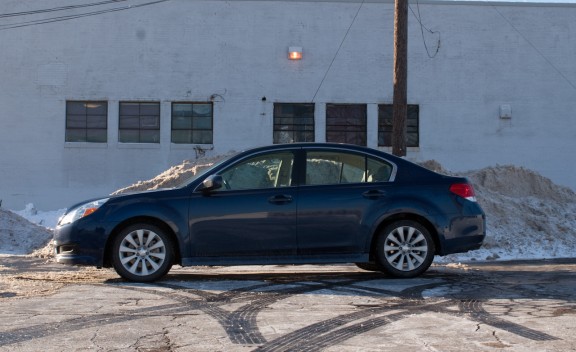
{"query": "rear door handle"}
(280, 199)
(374, 194)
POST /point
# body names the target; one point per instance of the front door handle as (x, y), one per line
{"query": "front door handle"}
(280, 199)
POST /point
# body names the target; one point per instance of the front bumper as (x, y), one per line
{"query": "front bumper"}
(80, 243)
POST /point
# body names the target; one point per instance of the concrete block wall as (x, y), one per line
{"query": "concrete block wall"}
(234, 53)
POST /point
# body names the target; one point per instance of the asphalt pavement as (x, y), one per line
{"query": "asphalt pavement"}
(508, 306)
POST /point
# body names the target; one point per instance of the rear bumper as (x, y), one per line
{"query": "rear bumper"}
(465, 233)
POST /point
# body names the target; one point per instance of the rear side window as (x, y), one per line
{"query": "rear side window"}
(326, 167)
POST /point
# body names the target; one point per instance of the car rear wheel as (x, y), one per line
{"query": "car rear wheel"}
(405, 249)
(142, 253)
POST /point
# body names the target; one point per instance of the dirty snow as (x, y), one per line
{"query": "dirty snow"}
(528, 216)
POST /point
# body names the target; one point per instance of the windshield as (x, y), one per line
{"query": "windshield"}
(200, 170)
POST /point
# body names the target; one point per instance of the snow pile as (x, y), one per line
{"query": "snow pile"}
(528, 216)
(20, 236)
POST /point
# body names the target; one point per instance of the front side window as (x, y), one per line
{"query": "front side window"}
(263, 171)
(139, 122)
(328, 168)
(385, 126)
(293, 123)
(87, 121)
(192, 123)
(346, 123)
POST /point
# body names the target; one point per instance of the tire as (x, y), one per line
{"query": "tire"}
(405, 249)
(142, 253)
(369, 266)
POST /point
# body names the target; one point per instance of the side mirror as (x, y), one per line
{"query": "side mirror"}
(211, 183)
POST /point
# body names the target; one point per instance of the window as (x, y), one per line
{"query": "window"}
(192, 123)
(293, 123)
(139, 122)
(324, 168)
(264, 171)
(385, 126)
(346, 123)
(87, 121)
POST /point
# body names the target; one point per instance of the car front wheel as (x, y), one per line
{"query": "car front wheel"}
(405, 249)
(142, 253)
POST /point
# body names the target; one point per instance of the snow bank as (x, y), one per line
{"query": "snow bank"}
(20, 236)
(528, 216)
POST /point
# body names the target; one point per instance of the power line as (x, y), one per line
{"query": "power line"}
(54, 9)
(337, 51)
(422, 27)
(71, 17)
(536, 49)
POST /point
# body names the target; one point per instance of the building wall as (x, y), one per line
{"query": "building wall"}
(234, 53)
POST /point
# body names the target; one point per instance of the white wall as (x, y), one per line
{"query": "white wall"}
(180, 50)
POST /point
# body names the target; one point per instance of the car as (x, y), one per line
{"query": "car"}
(302, 203)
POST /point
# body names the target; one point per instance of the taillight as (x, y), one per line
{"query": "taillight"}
(464, 190)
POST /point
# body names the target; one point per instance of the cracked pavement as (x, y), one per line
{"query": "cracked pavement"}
(516, 306)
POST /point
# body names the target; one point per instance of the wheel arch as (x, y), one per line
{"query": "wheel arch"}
(139, 220)
(405, 216)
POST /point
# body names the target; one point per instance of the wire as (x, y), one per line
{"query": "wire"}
(71, 7)
(337, 51)
(71, 17)
(422, 28)
(536, 49)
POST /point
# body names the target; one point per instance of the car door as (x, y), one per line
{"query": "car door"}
(341, 192)
(253, 214)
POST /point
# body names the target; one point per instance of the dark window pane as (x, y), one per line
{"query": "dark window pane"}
(86, 121)
(149, 136)
(181, 110)
(76, 108)
(74, 135)
(96, 136)
(202, 110)
(203, 123)
(139, 122)
(292, 118)
(150, 109)
(181, 122)
(192, 123)
(96, 108)
(182, 136)
(129, 136)
(129, 122)
(76, 121)
(346, 123)
(150, 122)
(96, 122)
(132, 109)
(202, 137)
(385, 118)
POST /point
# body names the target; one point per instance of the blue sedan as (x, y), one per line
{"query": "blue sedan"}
(282, 204)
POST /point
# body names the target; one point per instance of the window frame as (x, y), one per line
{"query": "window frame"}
(351, 132)
(344, 156)
(412, 125)
(191, 129)
(294, 130)
(140, 116)
(68, 138)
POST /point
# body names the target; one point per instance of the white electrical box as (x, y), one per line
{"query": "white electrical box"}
(505, 111)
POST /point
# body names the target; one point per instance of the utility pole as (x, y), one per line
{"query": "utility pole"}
(399, 107)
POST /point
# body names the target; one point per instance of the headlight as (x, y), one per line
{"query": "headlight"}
(81, 211)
